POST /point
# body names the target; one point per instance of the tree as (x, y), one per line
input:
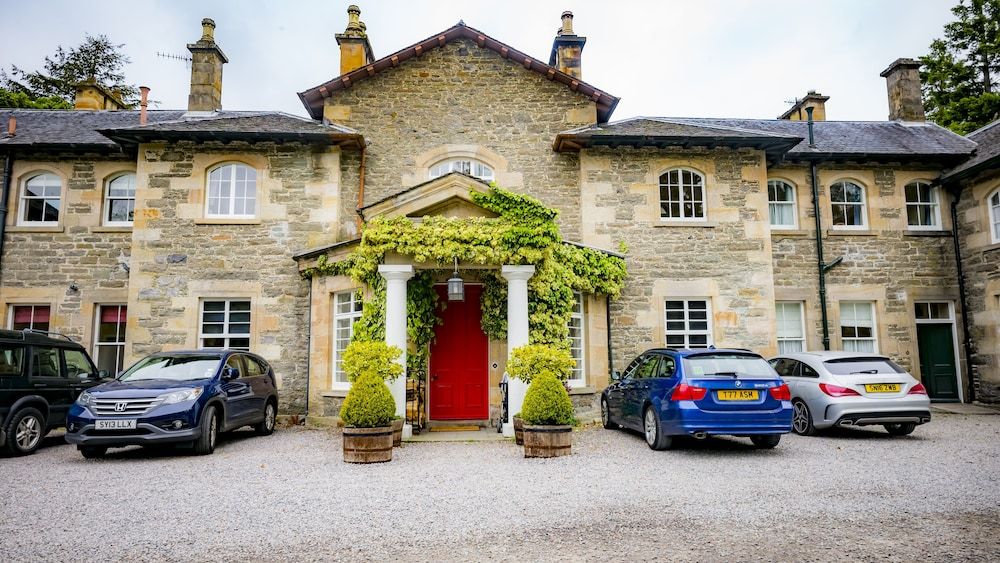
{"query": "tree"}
(96, 58)
(960, 72)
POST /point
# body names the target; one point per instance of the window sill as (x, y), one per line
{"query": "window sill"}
(585, 390)
(111, 229)
(695, 224)
(36, 229)
(850, 233)
(927, 234)
(779, 233)
(225, 221)
(335, 393)
(987, 248)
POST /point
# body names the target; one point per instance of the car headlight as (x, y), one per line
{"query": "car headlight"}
(85, 399)
(181, 396)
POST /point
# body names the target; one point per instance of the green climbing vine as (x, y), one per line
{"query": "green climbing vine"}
(525, 232)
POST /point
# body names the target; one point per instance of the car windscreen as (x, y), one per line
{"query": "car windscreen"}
(175, 368)
(732, 365)
(855, 366)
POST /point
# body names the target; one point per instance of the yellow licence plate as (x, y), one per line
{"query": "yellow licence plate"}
(741, 395)
(882, 387)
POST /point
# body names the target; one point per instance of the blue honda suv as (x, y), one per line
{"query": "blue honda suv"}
(667, 392)
(176, 398)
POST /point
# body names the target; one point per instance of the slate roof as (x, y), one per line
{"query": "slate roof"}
(987, 152)
(43, 129)
(313, 98)
(834, 139)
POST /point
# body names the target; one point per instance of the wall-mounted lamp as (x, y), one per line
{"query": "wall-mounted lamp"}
(456, 286)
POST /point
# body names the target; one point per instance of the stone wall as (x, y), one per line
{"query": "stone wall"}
(180, 257)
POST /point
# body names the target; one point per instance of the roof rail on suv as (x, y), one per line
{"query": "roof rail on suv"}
(46, 333)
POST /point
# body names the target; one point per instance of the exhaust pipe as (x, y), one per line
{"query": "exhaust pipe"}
(846, 423)
(700, 435)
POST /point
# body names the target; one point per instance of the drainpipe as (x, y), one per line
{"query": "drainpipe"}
(361, 188)
(8, 173)
(607, 313)
(967, 340)
(309, 335)
(821, 265)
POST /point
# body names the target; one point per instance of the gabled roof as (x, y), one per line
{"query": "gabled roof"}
(425, 195)
(313, 98)
(987, 139)
(238, 125)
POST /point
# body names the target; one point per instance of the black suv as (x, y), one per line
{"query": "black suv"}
(41, 375)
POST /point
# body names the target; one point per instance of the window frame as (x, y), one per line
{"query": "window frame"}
(232, 195)
(23, 200)
(802, 322)
(935, 205)
(993, 215)
(578, 375)
(687, 332)
(108, 199)
(863, 204)
(10, 314)
(353, 316)
(794, 203)
(472, 162)
(120, 345)
(874, 327)
(680, 190)
(225, 334)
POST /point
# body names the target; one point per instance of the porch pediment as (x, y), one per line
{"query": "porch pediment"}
(446, 196)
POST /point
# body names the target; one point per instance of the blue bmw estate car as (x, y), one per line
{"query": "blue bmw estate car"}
(176, 398)
(667, 392)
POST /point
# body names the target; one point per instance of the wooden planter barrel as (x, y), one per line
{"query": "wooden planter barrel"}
(518, 431)
(368, 445)
(397, 432)
(547, 441)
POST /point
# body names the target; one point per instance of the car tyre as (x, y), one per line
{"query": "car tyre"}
(651, 430)
(93, 452)
(766, 441)
(266, 426)
(606, 416)
(901, 428)
(25, 431)
(802, 423)
(205, 444)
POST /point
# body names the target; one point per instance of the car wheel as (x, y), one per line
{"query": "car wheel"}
(93, 452)
(205, 444)
(652, 431)
(25, 431)
(606, 416)
(802, 423)
(766, 442)
(901, 428)
(266, 426)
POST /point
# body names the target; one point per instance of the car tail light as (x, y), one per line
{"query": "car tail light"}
(685, 392)
(917, 389)
(838, 391)
(781, 392)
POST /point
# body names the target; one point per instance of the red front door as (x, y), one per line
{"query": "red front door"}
(459, 386)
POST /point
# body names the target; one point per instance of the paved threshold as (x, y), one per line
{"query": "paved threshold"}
(481, 435)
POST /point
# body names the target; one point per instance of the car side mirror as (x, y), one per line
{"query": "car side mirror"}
(616, 375)
(229, 372)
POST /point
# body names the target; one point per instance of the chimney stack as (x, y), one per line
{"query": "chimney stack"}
(206, 70)
(567, 48)
(144, 90)
(355, 50)
(813, 99)
(902, 80)
(91, 96)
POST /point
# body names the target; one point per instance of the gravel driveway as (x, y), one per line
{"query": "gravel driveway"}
(855, 494)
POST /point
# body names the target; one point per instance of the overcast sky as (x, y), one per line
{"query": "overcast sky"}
(705, 58)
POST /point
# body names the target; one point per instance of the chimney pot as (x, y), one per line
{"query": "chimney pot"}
(11, 126)
(567, 48)
(902, 80)
(208, 30)
(355, 49)
(567, 23)
(143, 102)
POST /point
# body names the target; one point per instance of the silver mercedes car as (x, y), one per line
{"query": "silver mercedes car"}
(851, 389)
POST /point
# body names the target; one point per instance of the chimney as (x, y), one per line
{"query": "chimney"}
(206, 70)
(902, 80)
(567, 48)
(11, 126)
(143, 103)
(813, 99)
(91, 96)
(355, 50)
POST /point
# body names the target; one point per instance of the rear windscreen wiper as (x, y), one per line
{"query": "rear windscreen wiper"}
(729, 373)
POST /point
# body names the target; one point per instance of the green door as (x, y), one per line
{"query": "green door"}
(937, 361)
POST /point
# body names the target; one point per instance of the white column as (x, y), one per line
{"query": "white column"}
(517, 333)
(395, 328)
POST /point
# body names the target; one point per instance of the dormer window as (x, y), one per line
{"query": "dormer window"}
(473, 168)
(232, 191)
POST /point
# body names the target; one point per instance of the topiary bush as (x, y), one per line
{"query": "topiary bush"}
(369, 404)
(371, 358)
(547, 402)
(530, 361)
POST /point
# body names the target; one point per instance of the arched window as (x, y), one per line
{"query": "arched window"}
(994, 205)
(922, 209)
(682, 195)
(41, 200)
(119, 200)
(468, 166)
(847, 200)
(781, 204)
(232, 191)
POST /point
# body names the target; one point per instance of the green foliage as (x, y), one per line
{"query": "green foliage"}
(535, 360)
(97, 58)
(547, 402)
(960, 72)
(369, 403)
(9, 99)
(376, 358)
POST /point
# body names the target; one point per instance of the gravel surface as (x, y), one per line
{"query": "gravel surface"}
(856, 494)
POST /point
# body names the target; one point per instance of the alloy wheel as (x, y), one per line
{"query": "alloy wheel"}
(213, 431)
(28, 432)
(800, 420)
(650, 426)
(269, 417)
(604, 412)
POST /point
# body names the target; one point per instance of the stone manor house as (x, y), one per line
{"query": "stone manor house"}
(140, 231)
